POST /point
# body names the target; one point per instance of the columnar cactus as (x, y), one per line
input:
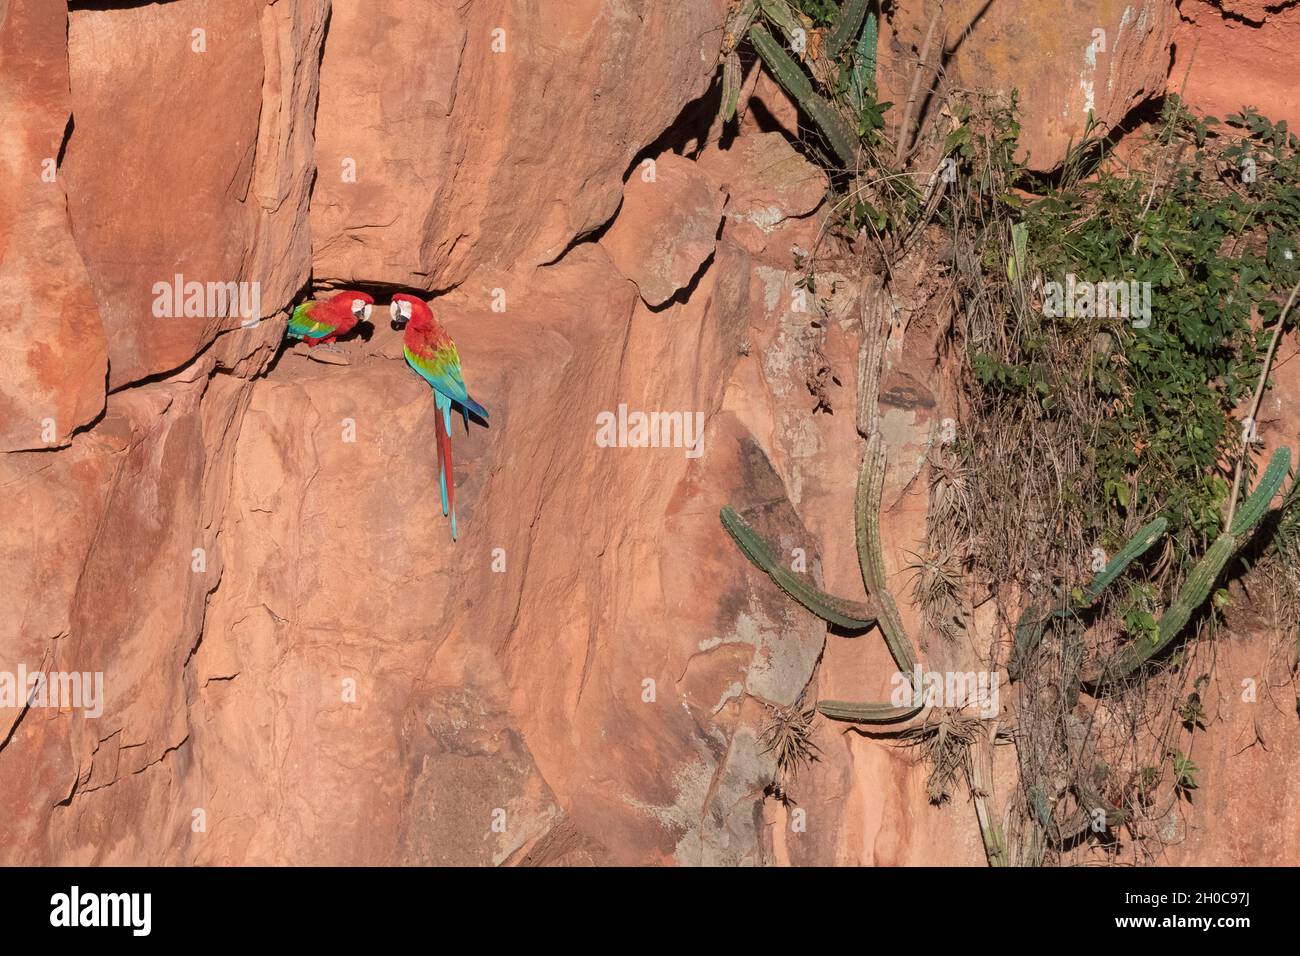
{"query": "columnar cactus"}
(846, 27)
(841, 124)
(863, 85)
(1196, 589)
(841, 136)
(871, 556)
(865, 713)
(1137, 546)
(865, 71)
(853, 615)
(1032, 623)
(871, 559)
(849, 614)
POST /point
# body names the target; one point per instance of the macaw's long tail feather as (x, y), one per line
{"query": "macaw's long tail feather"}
(446, 480)
(475, 407)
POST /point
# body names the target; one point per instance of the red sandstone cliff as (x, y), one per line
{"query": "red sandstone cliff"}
(299, 665)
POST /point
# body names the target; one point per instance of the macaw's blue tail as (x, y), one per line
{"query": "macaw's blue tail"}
(473, 406)
(446, 480)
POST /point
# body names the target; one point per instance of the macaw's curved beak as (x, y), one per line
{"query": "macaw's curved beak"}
(396, 319)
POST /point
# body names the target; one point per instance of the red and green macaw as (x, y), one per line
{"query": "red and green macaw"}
(322, 322)
(430, 351)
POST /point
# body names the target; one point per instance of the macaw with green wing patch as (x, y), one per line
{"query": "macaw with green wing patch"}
(430, 351)
(318, 323)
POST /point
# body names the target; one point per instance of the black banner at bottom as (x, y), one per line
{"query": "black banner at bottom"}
(333, 906)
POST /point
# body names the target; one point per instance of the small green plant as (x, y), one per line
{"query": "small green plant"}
(1140, 612)
(1184, 775)
(1084, 423)
(1160, 390)
(1146, 784)
(1190, 711)
(1151, 635)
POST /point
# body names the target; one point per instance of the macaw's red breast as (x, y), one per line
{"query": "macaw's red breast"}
(425, 335)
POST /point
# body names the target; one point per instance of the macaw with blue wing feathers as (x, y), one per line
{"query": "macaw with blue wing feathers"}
(430, 351)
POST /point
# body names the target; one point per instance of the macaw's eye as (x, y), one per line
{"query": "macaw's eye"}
(359, 307)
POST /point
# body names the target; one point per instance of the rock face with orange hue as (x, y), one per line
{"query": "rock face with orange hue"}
(217, 192)
(1067, 61)
(180, 547)
(1235, 53)
(667, 227)
(1244, 810)
(451, 137)
(52, 375)
(184, 191)
(299, 665)
(773, 183)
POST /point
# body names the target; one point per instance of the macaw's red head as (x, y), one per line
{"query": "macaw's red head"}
(358, 303)
(405, 308)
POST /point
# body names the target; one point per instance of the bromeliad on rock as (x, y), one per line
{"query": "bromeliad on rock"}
(318, 323)
(431, 353)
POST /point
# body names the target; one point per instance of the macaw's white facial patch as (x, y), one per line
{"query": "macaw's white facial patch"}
(360, 309)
